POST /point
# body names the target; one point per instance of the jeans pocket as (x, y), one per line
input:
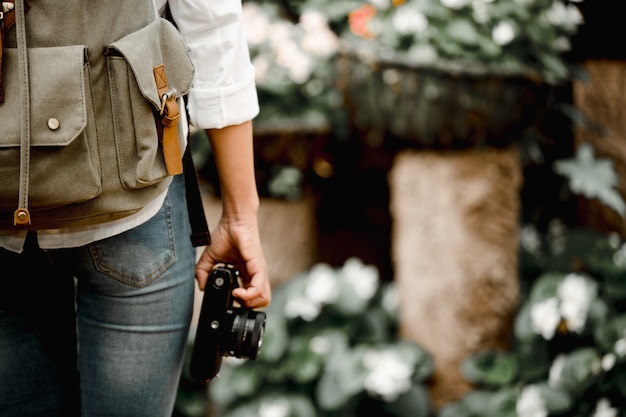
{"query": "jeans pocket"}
(141, 255)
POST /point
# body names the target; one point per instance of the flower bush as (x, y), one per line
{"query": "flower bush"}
(331, 348)
(507, 35)
(569, 349)
(294, 69)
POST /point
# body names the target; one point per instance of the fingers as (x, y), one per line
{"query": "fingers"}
(252, 297)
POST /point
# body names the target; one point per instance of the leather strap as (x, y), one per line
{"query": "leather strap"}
(169, 118)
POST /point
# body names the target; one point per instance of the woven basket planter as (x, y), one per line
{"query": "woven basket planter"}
(442, 106)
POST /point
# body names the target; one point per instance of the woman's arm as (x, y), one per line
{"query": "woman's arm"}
(236, 236)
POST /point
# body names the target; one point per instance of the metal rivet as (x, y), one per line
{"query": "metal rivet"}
(53, 123)
(22, 216)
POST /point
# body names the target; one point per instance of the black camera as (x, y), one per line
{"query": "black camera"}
(225, 327)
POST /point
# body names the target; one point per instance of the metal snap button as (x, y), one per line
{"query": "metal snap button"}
(53, 123)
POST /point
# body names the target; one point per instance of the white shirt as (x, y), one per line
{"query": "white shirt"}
(223, 93)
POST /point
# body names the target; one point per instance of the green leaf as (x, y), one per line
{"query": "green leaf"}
(534, 359)
(492, 368)
(553, 66)
(502, 403)
(485, 403)
(607, 332)
(415, 402)
(236, 382)
(292, 405)
(592, 177)
(463, 31)
(522, 327)
(456, 409)
(341, 380)
(275, 338)
(305, 365)
(578, 370)
(546, 286)
(557, 401)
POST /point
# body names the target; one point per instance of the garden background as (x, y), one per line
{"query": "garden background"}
(442, 211)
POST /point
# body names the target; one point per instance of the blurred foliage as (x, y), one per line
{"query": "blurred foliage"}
(569, 348)
(331, 348)
(325, 343)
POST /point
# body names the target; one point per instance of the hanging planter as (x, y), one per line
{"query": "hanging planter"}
(453, 73)
(446, 105)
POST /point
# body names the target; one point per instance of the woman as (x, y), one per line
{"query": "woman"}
(116, 298)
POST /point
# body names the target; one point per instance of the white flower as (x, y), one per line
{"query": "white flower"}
(318, 39)
(620, 347)
(619, 258)
(565, 16)
(362, 279)
(480, 10)
(530, 403)
(604, 409)
(530, 240)
(562, 44)
(322, 287)
(303, 308)
(556, 371)
(503, 33)
(608, 361)
(276, 407)
(409, 20)
(558, 241)
(575, 295)
(545, 317)
(455, 4)
(320, 345)
(391, 298)
(614, 240)
(389, 375)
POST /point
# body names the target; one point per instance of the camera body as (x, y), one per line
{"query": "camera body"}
(225, 327)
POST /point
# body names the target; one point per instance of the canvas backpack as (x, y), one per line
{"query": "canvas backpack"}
(89, 111)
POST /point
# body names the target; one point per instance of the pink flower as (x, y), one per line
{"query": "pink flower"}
(359, 18)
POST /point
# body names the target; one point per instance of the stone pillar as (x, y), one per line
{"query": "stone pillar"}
(454, 252)
(602, 100)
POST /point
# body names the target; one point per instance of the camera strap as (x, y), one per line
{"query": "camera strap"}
(200, 235)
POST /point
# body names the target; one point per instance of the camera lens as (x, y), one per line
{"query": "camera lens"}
(246, 336)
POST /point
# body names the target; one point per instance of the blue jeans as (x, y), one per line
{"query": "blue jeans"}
(98, 330)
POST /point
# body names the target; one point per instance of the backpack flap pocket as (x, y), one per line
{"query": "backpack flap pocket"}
(137, 102)
(64, 163)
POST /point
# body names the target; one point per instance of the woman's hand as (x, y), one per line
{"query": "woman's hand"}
(238, 242)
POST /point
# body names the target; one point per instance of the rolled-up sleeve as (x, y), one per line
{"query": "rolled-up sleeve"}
(223, 92)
